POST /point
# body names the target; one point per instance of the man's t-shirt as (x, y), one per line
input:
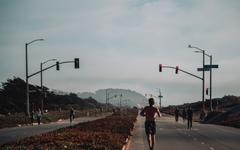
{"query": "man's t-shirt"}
(150, 113)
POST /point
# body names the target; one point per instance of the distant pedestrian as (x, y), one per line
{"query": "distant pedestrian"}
(72, 114)
(39, 116)
(176, 113)
(189, 116)
(150, 126)
(202, 115)
(184, 114)
(32, 117)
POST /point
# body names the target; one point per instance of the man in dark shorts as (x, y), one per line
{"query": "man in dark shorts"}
(150, 113)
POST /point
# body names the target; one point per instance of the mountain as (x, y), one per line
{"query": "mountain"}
(59, 92)
(129, 97)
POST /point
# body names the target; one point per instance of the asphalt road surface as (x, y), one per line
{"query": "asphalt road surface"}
(174, 136)
(17, 133)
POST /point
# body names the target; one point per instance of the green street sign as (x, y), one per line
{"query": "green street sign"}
(210, 66)
(201, 69)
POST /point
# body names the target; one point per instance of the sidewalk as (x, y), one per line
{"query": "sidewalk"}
(17, 133)
(138, 141)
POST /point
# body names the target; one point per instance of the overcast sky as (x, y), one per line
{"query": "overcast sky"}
(120, 44)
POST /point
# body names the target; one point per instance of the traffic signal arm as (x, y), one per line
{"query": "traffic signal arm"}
(183, 71)
(64, 62)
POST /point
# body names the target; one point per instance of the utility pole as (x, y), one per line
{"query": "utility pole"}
(160, 99)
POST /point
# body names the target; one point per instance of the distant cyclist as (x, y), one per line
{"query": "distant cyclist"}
(150, 113)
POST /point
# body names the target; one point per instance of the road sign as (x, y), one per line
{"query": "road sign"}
(210, 66)
(201, 69)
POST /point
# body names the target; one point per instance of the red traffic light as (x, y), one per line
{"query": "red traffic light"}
(160, 67)
(177, 68)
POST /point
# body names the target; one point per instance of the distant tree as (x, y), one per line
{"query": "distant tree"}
(13, 98)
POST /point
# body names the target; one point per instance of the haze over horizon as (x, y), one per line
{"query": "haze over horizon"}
(121, 43)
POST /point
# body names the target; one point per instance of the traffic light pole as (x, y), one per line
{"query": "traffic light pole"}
(41, 81)
(211, 84)
(191, 74)
(203, 81)
(27, 87)
(41, 70)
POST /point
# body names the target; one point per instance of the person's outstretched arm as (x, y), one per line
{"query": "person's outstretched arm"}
(158, 113)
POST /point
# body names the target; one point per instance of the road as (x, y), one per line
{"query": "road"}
(174, 136)
(17, 133)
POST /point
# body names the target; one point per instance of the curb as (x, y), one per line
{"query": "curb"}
(128, 139)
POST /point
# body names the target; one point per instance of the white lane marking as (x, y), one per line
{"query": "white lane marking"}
(195, 129)
(202, 143)
(211, 148)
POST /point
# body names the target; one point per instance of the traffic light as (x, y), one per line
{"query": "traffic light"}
(76, 63)
(57, 65)
(177, 68)
(207, 91)
(160, 67)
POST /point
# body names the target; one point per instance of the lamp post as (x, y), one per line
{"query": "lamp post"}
(41, 67)
(203, 73)
(27, 86)
(210, 56)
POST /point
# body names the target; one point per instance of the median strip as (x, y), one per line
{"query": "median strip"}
(107, 133)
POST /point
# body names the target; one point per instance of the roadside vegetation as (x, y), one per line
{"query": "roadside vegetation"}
(109, 133)
(226, 111)
(13, 104)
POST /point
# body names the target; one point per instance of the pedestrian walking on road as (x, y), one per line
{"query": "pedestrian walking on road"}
(189, 116)
(39, 116)
(184, 114)
(176, 113)
(32, 117)
(72, 115)
(150, 113)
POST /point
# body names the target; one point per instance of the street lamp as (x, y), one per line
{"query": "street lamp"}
(41, 64)
(27, 87)
(210, 56)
